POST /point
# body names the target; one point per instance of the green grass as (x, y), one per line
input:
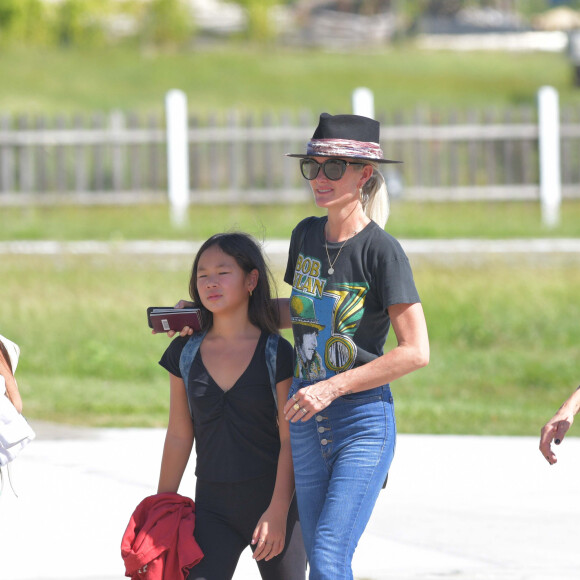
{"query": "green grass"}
(504, 338)
(408, 220)
(505, 345)
(52, 81)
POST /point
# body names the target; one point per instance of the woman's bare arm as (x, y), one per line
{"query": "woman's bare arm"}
(410, 354)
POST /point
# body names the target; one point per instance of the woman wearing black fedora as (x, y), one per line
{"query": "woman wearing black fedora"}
(351, 281)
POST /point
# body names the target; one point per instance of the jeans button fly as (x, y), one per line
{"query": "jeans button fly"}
(321, 429)
(323, 442)
(319, 418)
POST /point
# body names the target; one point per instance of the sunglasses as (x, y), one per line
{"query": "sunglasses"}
(333, 168)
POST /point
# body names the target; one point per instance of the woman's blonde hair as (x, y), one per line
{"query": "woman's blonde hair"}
(375, 198)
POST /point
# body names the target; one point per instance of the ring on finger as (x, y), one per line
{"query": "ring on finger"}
(304, 410)
(294, 397)
(296, 406)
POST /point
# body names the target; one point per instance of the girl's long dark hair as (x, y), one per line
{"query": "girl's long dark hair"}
(6, 356)
(247, 253)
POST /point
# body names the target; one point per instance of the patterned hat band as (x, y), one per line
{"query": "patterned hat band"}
(344, 148)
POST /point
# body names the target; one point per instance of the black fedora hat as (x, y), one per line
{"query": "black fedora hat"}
(348, 136)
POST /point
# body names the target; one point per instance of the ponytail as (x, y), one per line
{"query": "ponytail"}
(375, 198)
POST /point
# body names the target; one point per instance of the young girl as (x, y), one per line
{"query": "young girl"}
(245, 483)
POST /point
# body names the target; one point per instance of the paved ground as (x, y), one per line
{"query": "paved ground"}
(453, 249)
(467, 508)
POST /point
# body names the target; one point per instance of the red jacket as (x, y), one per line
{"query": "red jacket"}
(158, 543)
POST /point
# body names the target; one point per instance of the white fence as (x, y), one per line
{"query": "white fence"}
(239, 157)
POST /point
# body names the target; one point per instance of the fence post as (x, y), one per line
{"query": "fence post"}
(177, 156)
(549, 150)
(363, 102)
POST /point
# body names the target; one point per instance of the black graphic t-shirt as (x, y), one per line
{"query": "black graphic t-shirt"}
(340, 320)
(236, 432)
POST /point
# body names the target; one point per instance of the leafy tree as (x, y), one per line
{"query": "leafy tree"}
(8, 15)
(80, 22)
(23, 22)
(167, 24)
(259, 27)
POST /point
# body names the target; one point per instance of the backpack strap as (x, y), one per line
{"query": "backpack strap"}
(271, 354)
(186, 359)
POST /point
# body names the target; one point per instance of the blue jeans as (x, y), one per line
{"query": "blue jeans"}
(341, 460)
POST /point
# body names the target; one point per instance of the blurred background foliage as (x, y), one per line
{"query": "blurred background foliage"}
(70, 56)
(172, 24)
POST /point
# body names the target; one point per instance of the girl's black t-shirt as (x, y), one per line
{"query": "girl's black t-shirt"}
(236, 431)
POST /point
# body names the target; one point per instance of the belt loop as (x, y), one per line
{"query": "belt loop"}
(387, 395)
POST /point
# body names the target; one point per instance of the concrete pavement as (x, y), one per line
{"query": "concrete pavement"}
(277, 250)
(468, 508)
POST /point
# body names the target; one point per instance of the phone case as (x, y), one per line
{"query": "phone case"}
(163, 319)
